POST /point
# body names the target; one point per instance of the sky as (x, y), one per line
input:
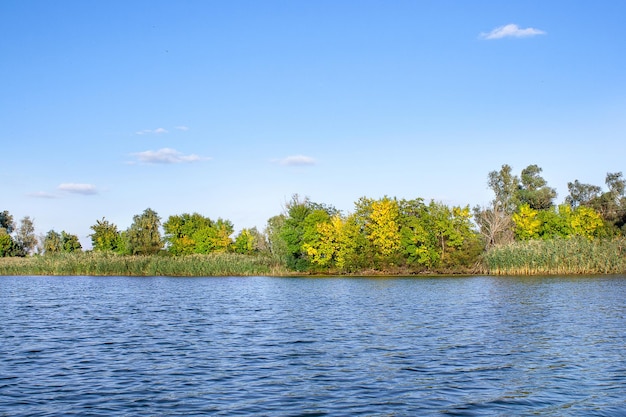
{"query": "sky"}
(228, 108)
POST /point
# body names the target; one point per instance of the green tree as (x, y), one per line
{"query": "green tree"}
(534, 191)
(505, 187)
(6, 222)
(180, 231)
(419, 245)
(52, 242)
(247, 241)
(105, 237)
(144, 237)
(7, 245)
(70, 242)
(215, 238)
(276, 245)
(581, 194)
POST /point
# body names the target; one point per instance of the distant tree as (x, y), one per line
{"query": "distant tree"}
(611, 204)
(505, 187)
(581, 194)
(276, 245)
(214, 238)
(25, 237)
(7, 245)
(105, 236)
(144, 237)
(534, 191)
(614, 201)
(179, 232)
(52, 243)
(248, 241)
(70, 243)
(6, 222)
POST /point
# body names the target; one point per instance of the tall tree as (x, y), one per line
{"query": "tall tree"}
(144, 237)
(105, 236)
(495, 222)
(505, 187)
(581, 194)
(534, 190)
(25, 237)
(382, 229)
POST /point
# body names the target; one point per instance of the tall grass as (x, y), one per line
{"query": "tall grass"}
(558, 256)
(97, 263)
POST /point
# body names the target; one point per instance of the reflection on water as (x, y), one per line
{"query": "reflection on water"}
(96, 346)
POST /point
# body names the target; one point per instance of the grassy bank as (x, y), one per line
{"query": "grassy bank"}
(94, 263)
(558, 257)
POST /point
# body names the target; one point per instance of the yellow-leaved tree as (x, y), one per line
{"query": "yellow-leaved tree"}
(383, 230)
(527, 224)
(585, 221)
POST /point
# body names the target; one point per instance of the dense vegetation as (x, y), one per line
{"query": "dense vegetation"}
(522, 231)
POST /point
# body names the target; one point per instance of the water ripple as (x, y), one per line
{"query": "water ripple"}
(478, 346)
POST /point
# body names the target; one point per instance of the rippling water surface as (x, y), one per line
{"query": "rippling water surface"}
(100, 346)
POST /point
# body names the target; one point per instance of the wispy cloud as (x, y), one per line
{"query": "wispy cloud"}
(42, 194)
(183, 128)
(157, 131)
(74, 188)
(167, 156)
(511, 31)
(296, 160)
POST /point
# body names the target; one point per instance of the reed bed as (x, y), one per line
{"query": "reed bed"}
(106, 264)
(573, 256)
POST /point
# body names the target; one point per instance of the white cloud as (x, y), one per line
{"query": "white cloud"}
(85, 189)
(42, 194)
(157, 131)
(297, 160)
(167, 156)
(511, 30)
(183, 128)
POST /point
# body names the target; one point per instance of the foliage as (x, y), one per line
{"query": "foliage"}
(611, 205)
(25, 239)
(144, 237)
(52, 242)
(527, 225)
(6, 222)
(7, 245)
(382, 228)
(106, 237)
(534, 191)
(70, 242)
(193, 233)
(248, 241)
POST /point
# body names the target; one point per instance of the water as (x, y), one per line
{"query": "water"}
(100, 346)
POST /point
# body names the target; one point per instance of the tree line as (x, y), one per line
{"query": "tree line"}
(384, 234)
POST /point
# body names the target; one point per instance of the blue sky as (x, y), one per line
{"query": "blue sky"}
(227, 108)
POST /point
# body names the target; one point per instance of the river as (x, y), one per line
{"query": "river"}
(101, 346)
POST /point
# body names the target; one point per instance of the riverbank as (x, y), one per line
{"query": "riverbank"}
(574, 256)
(107, 264)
